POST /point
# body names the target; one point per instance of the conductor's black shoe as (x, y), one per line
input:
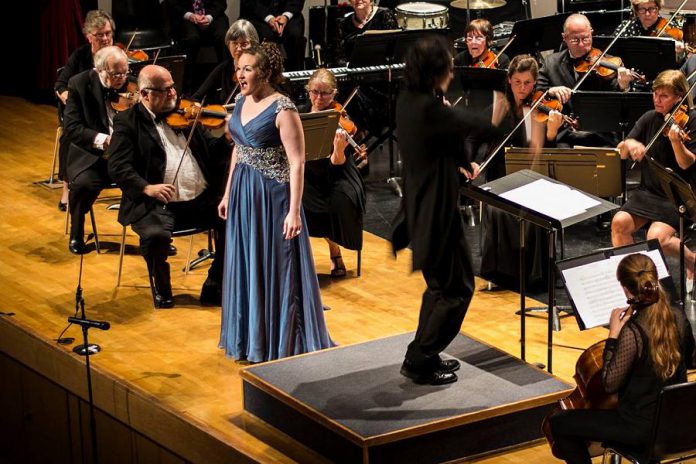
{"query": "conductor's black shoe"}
(449, 365)
(77, 246)
(429, 378)
(211, 293)
(171, 251)
(164, 302)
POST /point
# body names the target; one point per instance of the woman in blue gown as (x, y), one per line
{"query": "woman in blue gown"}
(271, 306)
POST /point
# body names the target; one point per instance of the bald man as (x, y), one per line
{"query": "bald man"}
(145, 155)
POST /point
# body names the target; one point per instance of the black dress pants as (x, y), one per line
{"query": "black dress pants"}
(84, 190)
(444, 305)
(293, 40)
(573, 429)
(191, 37)
(155, 231)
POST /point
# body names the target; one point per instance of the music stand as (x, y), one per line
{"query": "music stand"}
(175, 64)
(533, 36)
(680, 194)
(610, 111)
(387, 48)
(492, 194)
(647, 55)
(319, 131)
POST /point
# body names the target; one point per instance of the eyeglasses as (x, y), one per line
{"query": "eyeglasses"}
(241, 45)
(648, 10)
(577, 40)
(164, 90)
(475, 38)
(117, 75)
(102, 35)
(317, 93)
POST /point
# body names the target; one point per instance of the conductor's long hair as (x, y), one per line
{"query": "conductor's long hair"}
(427, 62)
(637, 272)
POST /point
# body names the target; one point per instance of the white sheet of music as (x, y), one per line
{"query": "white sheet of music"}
(595, 290)
(555, 200)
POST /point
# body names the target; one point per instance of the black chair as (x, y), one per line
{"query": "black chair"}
(673, 435)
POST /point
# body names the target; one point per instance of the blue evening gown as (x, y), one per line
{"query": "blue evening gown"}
(271, 306)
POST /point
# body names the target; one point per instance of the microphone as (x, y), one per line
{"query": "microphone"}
(101, 325)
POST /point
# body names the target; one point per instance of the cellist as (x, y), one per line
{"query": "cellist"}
(649, 346)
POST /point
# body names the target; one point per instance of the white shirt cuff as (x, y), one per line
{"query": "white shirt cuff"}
(210, 18)
(187, 15)
(268, 18)
(99, 141)
(288, 14)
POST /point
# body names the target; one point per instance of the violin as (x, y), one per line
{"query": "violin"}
(350, 129)
(125, 100)
(589, 392)
(663, 29)
(607, 68)
(212, 116)
(680, 117)
(549, 104)
(487, 60)
(135, 55)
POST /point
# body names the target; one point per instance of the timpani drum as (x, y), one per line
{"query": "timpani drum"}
(421, 15)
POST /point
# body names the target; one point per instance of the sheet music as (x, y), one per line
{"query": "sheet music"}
(596, 291)
(551, 199)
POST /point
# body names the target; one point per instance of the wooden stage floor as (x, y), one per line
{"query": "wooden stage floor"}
(169, 358)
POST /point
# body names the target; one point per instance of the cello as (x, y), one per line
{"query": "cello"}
(589, 392)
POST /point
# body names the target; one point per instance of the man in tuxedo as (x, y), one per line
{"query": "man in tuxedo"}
(279, 21)
(88, 120)
(165, 185)
(195, 22)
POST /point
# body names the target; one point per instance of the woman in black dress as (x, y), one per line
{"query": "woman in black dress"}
(649, 347)
(648, 205)
(334, 193)
(479, 37)
(220, 83)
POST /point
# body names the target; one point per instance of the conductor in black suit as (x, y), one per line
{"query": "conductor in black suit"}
(279, 21)
(195, 22)
(430, 135)
(146, 154)
(88, 121)
(558, 76)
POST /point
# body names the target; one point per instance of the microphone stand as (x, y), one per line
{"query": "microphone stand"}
(85, 349)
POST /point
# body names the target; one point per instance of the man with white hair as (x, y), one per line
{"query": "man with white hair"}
(88, 121)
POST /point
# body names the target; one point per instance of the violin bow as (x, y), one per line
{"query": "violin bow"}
(350, 97)
(130, 42)
(674, 14)
(493, 153)
(599, 59)
(157, 53)
(229, 98)
(502, 50)
(669, 118)
(188, 142)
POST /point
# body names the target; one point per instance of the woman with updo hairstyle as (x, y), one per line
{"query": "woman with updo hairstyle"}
(271, 305)
(649, 347)
(478, 36)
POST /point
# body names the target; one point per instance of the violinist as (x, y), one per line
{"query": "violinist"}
(648, 205)
(558, 75)
(647, 22)
(88, 123)
(98, 29)
(222, 80)
(166, 185)
(649, 347)
(334, 193)
(479, 37)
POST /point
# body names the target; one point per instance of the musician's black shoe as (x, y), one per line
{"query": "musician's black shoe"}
(211, 293)
(62, 206)
(449, 365)
(428, 378)
(171, 251)
(77, 246)
(164, 302)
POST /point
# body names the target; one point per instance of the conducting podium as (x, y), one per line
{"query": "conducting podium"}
(534, 198)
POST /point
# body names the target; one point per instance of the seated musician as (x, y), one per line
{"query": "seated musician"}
(166, 187)
(334, 193)
(479, 37)
(88, 121)
(222, 80)
(647, 205)
(558, 75)
(98, 29)
(279, 21)
(647, 22)
(500, 251)
(649, 347)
